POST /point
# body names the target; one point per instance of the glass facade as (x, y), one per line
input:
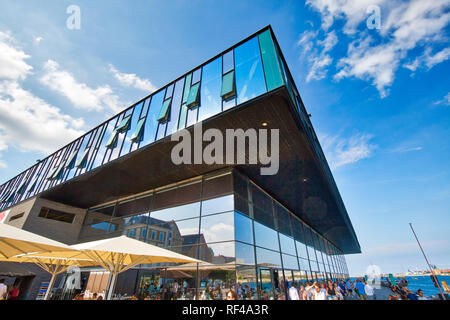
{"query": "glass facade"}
(248, 241)
(251, 68)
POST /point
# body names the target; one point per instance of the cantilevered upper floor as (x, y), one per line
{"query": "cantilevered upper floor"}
(242, 87)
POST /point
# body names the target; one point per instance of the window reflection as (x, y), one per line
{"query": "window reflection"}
(210, 100)
(249, 73)
(151, 122)
(245, 254)
(217, 205)
(287, 244)
(267, 258)
(219, 227)
(133, 124)
(290, 262)
(266, 237)
(178, 212)
(243, 228)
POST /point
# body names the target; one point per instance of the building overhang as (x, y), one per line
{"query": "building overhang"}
(301, 183)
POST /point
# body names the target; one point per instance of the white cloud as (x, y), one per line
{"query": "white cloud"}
(445, 100)
(319, 61)
(80, 94)
(354, 11)
(27, 122)
(38, 40)
(132, 80)
(343, 151)
(365, 62)
(404, 149)
(31, 124)
(12, 59)
(405, 25)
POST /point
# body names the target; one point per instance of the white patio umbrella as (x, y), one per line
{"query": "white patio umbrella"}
(15, 241)
(52, 265)
(119, 254)
(16, 245)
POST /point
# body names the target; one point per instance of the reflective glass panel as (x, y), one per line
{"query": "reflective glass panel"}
(249, 73)
(151, 122)
(265, 237)
(245, 254)
(211, 102)
(132, 129)
(268, 258)
(243, 228)
(290, 262)
(287, 244)
(218, 227)
(177, 212)
(216, 205)
(172, 124)
(272, 68)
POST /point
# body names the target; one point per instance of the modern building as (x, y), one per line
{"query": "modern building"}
(255, 230)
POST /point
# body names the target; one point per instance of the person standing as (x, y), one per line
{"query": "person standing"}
(359, 286)
(293, 292)
(369, 292)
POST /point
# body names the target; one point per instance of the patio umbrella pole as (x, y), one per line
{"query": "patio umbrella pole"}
(50, 286)
(112, 285)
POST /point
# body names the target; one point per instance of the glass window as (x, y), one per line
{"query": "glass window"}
(134, 133)
(283, 219)
(196, 76)
(151, 120)
(183, 116)
(262, 201)
(109, 133)
(222, 252)
(249, 73)
(70, 163)
(176, 196)
(177, 212)
(81, 163)
(211, 102)
(301, 250)
(304, 264)
(272, 68)
(216, 205)
(218, 227)
(240, 184)
(241, 205)
(216, 186)
(192, 100)
(243, 228)
(228, 63)
(228, 86)
(192, 116)
(266, 237)
(172, 124)
(267, 258)
(287, 244)
(290, 262)
(187, 86)
(164, 112)
(133, 207)
(245, 254)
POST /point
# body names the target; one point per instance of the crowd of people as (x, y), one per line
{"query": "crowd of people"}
(332, 290)
(400, 291)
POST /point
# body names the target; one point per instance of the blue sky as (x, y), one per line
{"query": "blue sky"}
(379, 98)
